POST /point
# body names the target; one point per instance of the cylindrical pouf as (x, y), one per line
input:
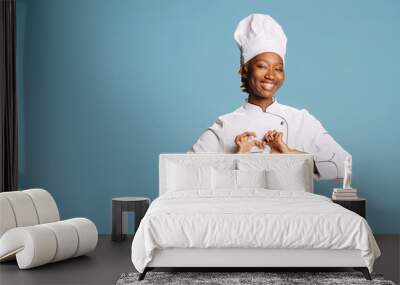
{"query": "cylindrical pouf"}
(7, 218)
(67, 239)
(87, 235)
(46, 207)
(34, 245)
(23, 208)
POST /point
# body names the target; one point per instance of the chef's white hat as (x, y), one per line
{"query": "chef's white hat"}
(258, 33)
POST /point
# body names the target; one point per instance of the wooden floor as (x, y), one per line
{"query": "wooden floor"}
(111, 259)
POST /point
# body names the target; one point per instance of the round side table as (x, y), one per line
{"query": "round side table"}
(120, 207)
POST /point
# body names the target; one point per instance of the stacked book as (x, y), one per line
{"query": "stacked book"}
(344, 194)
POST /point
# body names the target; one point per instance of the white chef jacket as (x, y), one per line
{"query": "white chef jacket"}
(301, 131)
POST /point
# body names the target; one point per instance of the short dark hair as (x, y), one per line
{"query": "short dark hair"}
(244, 80)
(244, 84)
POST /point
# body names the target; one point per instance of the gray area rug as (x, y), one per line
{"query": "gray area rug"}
(225, 278)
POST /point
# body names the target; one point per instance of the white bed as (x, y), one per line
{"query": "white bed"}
(215, 211)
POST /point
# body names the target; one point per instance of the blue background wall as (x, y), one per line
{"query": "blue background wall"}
(105, 86)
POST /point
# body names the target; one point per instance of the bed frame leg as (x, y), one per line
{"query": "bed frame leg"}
(364, 271)
(143, 274)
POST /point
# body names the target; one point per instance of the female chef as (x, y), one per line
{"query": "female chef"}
(261, 124)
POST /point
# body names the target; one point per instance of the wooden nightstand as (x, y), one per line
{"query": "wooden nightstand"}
(356, 205)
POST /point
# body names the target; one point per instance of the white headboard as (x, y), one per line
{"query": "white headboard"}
(227, 160)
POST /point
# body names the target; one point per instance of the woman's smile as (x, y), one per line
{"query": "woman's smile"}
(268, 86)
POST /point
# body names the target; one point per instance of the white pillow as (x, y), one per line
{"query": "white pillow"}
(188, 177)
(223, 179)
(281, 174)
(251, 178)
(236, 179)
(293, 179)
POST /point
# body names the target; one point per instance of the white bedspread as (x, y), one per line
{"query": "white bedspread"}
(250, 219)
